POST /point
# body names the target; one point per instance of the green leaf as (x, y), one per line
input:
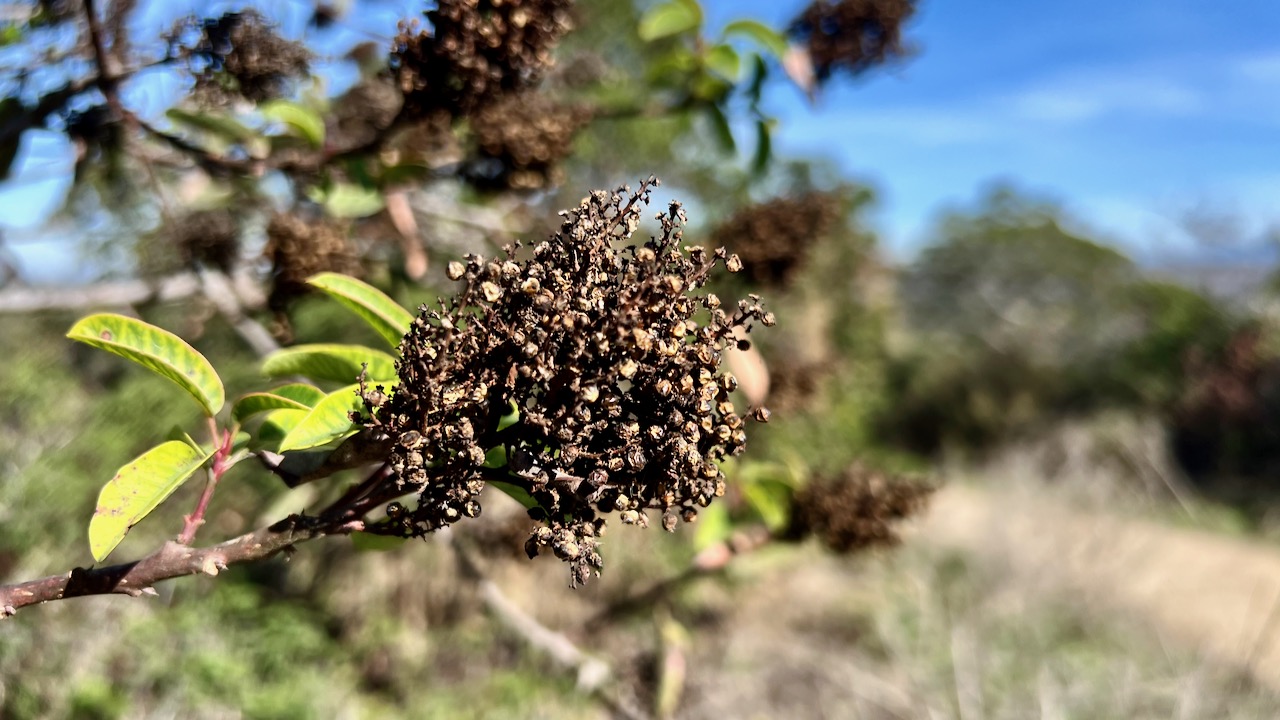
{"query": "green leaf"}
(11, 34)
(372, 305)
(338, 363)
(720, 126)
(300, 119)
(723, 60)
(517, 493)
(496, 457)
(276, 425)
(713, 526)
(308, 395)
(260, 402)
(160, 351)
(511, 417)
(348, 200)
(329, 420)
(372, 542)
(670, 18)
(771, 500)
(137, 489)
(766, 37)
(764, 147)
(219, 125)
(759, 74)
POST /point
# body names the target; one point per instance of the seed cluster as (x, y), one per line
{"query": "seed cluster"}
(773, 238)
(852, 36)
(584, 374)
(207, 237)
(242, 54)
(521, 140)
(477, 51)
(856, 510)
(298, 249)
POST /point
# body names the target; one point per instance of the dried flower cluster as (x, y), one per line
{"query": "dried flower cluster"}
(298, 249)
(242, 55)
(773, 238)
(856, 510)
(207, 237)
(585, 374)
(852, 36)
(477, 51)
(521, 140)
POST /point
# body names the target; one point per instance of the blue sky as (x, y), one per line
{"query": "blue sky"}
(1133, 114)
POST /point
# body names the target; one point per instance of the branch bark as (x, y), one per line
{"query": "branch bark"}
(172, 560)
(116, 294)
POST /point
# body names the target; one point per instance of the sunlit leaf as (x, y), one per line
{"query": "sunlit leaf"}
(300, 119)
(329, 420)
(771, 500)
(276, 425)
(372, 305)
(260, 402)
(511, 417)
(348, 200)
(766, 37)
(137, 489)
(723, 60)
(670, 18)
(332, 362)
(160, 351)
(214, 123)
(308, 395)
(713, 526)
(11, 34)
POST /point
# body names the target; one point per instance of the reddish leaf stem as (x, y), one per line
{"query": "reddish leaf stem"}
(218, 466)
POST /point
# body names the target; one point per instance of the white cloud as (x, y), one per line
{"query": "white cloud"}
(1092, 95)
(1263, 68)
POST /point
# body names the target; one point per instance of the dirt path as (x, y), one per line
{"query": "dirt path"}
(1216, 594)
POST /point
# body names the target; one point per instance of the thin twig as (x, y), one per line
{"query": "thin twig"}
(220, 290)
(106, 80)
(594, 675)
(710, 561)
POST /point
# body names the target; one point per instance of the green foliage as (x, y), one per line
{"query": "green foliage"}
(1018, 322)
(295, 396)
(670, 18)
(138, 488)
(1008, 277)
(1176, 321)
(383, 314)
(330, 363)
(762, 35)
(158, 350)
(301, 120)
(348, 200)
(329, 421)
